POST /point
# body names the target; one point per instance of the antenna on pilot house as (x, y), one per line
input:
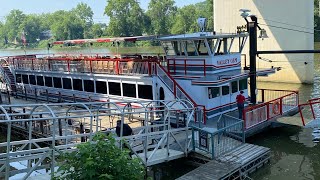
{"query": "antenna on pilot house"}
(202, 23)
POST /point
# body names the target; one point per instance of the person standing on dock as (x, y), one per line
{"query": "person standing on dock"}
(240, 103)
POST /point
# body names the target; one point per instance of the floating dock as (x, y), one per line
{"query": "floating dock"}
(235, 164)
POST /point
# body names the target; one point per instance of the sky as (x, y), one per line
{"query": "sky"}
(43, 6)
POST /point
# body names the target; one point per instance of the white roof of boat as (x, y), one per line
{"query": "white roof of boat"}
(202, 35)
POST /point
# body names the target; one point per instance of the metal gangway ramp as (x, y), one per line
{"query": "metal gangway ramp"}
(37, 133)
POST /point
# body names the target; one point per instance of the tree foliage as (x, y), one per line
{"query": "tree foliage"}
(126, 17)
(161, 14)
(100, 159)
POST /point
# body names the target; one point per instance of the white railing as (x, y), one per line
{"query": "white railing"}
(48, 129)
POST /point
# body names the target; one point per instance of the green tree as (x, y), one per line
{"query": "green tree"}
(66, 25)
(100, 159)
(32, 28)
(85, 14)
(12, 27)
(161, 14)
(185, 20)
(126, 18)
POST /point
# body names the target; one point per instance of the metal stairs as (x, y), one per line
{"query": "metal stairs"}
(8, 78)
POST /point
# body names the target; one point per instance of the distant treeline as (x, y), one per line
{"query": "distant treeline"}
(127, 18)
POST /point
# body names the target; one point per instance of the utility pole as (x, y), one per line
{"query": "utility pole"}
(252, 26)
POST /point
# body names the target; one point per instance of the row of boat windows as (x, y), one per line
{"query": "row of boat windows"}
(198, 47)
(234, 87)
(115, 88)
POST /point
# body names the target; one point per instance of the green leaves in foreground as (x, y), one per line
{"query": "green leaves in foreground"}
(100, 159)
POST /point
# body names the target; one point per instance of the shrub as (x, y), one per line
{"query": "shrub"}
(100, 159)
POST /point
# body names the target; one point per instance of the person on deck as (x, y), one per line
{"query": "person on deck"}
(127, 131)
(240, 103)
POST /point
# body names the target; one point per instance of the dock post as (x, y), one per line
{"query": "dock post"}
(35, 94)
(25, 94)
(8, 94)
(82, 131)
(41, 125)
(60, 127)
(47, 95)
(74, 98)
(212, 144)
(59, 100)
(24, 117)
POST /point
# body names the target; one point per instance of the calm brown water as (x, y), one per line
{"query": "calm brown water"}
(294, 156)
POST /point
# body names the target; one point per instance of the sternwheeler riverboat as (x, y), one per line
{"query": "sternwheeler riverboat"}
(203, 68)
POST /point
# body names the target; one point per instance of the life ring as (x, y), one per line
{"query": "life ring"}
(276, 107)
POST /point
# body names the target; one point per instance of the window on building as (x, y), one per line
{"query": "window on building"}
(40, 81)
(234, 86)
(57, 82)
(18, 78)
(32, 79)
(243, 84)
(213, 92)
(77, 84)
(114, 88)
(48, 81)
(101, 87)
(129, 90)
(225, 90)
(25, 79)
(145, 92)
(88, 85)
(66, 83)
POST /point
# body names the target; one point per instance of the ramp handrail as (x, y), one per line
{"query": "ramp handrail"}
(217, 142)
(254, 115)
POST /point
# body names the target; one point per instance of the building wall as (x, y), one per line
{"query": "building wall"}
(296, 68)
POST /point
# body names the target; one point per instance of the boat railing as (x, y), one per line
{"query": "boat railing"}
(183, 66)
(84, 64)
(213, 143)
(256, 114)
(313, 106)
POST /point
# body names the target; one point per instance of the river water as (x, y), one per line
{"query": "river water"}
(294, 155)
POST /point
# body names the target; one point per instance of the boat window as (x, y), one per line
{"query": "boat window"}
(57, 82)
(211, 43)
(191, 49)
(25, 79)
(48, 81)
(178, 48)
(66, 83)
(225, 90)
(114, 88)
(168, 48)
(222, 47)
(243, 84)
(88, 85)
(129, 90)
(77, 84)
(18, 78)
(234, 86)
(213, 92)
(32, 79)
(101, 87)
(202, 48)
(145, 92)
(40, 81)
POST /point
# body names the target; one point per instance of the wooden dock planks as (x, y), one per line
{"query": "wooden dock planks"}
(231, 164)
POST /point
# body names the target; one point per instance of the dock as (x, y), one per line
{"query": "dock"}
(237, 163)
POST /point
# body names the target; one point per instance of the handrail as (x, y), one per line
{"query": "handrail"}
(266, 112)
(185, 64)
(5, 76)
